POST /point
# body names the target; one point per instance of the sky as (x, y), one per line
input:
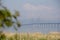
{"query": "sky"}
(34, 11)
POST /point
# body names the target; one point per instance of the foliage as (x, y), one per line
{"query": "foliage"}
(6, 18)
(2, 37)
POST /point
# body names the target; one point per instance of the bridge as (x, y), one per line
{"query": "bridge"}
(44, 26)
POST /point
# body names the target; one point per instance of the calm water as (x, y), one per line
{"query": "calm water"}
(44, 28)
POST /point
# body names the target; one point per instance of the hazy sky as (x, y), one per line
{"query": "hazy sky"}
(35, 9)
(43, 9)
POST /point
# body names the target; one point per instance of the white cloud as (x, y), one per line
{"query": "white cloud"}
(38, 7)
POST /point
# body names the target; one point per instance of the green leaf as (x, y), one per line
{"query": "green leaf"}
(8, 23)
(18, 24)
(8, 13)
(1, 15)
(0, 25)
(17, 13)
(5, 13)
(15, 17)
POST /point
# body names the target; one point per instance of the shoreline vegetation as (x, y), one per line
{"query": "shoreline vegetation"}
(32, 36)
